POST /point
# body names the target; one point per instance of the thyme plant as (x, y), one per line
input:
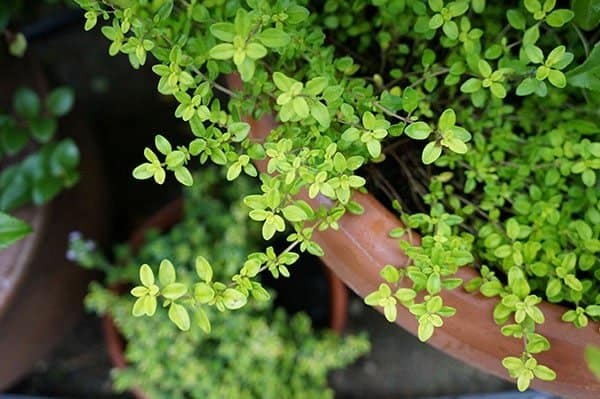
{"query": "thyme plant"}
(496, 93)
(255, 352)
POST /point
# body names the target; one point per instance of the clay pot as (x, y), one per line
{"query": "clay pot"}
(359, 249)
(163, 220)
(40, 291)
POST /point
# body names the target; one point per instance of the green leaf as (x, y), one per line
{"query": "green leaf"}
(512, 229)
(146, 275)
(418, 130)
(390, 274)
(587, 75)
(166, 272)
(516, 19)
(149, 305)
(60, 101)
(143, 171)
(139, 307)
(557, 78)
(410, 100)
(447, 120)
(436, 5)
(592, 358)
(320, 112)
(498, 89)
(533, 6)
(537, 343)
(282, 82)
(523, 381)
(174, 291)
(425, 330)
(273, 37)
(471, 85)
(390, 311)
(300, 107)
(512, 363)
(434, 283)
(179, 315)
(65, 157)
(456, 145)
(436, 21)
(587, 13)
(233, 299)
(234, 171)
(162, 144)
(239, 130)
(544, 373)
(255, 51)
(223, 51)
(450, 29)
(26, 103)
(203, 292)
(491, 288)
(558, 18)
(18, 45)
(573, 282)
(203, 269)
(45, 190)
(534, 54)
(224, 31)
(588, 177)
(43, 129)
(202, 320)
(593, 310)
(531, 35)
(484, 68)
(184, 176)
(405, 295)
(14, 139)
(11, 230)
(175, 159)
(374, 148)
(431, 153)
(294, 213)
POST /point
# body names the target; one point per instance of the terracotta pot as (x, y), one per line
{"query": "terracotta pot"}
(361, 246)
(40, 291)
(163, 220)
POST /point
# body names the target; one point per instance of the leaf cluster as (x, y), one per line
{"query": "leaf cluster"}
(257, 351)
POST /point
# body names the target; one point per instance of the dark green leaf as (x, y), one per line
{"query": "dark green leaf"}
(11, 230)
(60, 101)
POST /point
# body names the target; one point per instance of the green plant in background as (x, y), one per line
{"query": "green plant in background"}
(512, 188)
(255, 352)
(11, 11)
(36, 165)
(16, 41)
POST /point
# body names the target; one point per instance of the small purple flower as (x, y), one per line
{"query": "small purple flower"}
(74, 235)
(71, 255)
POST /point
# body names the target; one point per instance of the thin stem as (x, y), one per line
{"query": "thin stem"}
(586, 47)
(425, 77)
(391, 113)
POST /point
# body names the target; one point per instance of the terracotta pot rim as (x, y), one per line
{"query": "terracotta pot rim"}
(46, 289)
(361, 246)
(22, 252)
(167, 217)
